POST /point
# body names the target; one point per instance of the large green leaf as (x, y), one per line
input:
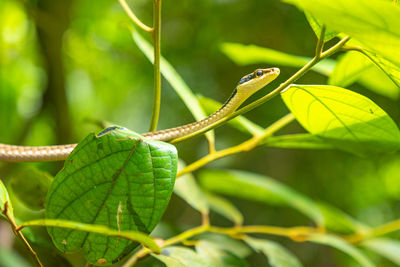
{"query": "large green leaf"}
(374, 23)
(259, 188)
(344, 118)
(278, 256)
(115, 179)
(175, 80)
(386, 247)
(252, 54)
(343, 246)
(5, 200)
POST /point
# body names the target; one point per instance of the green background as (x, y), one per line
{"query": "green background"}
(66, 65)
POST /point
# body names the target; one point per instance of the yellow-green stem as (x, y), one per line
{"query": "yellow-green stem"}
(156, 34)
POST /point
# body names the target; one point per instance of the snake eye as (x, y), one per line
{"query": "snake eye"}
(259, 73)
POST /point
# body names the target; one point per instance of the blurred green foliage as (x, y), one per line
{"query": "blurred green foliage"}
(106, 78)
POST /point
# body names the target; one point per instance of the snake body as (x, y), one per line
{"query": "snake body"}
(247, 86)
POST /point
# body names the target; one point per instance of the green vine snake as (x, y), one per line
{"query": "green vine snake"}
(247, 86)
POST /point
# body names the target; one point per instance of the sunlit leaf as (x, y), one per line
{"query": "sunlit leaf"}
(252, 54)
(343, 246)
(316, 25)
(186, 187)
(5, 201)
(30, 186)
(374, 23)
(240, 122)
(354, 66)
(344, 118)
(277, 255)
(379, 82)
(225, 208)
(349, 68)
(388, 248)
(180, 257)
(175, 80)
(301, 141)
(115, 179)
(259, 188)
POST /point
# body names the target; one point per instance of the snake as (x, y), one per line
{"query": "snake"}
(247, 86)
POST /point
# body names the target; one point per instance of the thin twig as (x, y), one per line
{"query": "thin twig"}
(135, 19)
(19, 234)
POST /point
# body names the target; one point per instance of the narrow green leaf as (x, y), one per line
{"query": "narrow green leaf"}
(277, 255)
(140, 237)
(343, 246)
(214, 255)
(374, 23)
(316, 25)
(4, 198)
(240, 122)
(338, 221)
(343, 118)
(225, 208)
(186, 188)
(179, 256)
(30, 186)
(259, 188)
(386, 247)
(227, 243)
(175, 80)
(115, 179)
(300, 141)
(252, 54)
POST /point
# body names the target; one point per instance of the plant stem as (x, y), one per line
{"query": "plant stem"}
(245, 146)
(135, 19)
(156, 34)
(273, 93)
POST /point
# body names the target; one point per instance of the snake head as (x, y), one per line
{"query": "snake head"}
(256, 80)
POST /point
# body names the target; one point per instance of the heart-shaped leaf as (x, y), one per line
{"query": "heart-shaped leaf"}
(115, 179)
